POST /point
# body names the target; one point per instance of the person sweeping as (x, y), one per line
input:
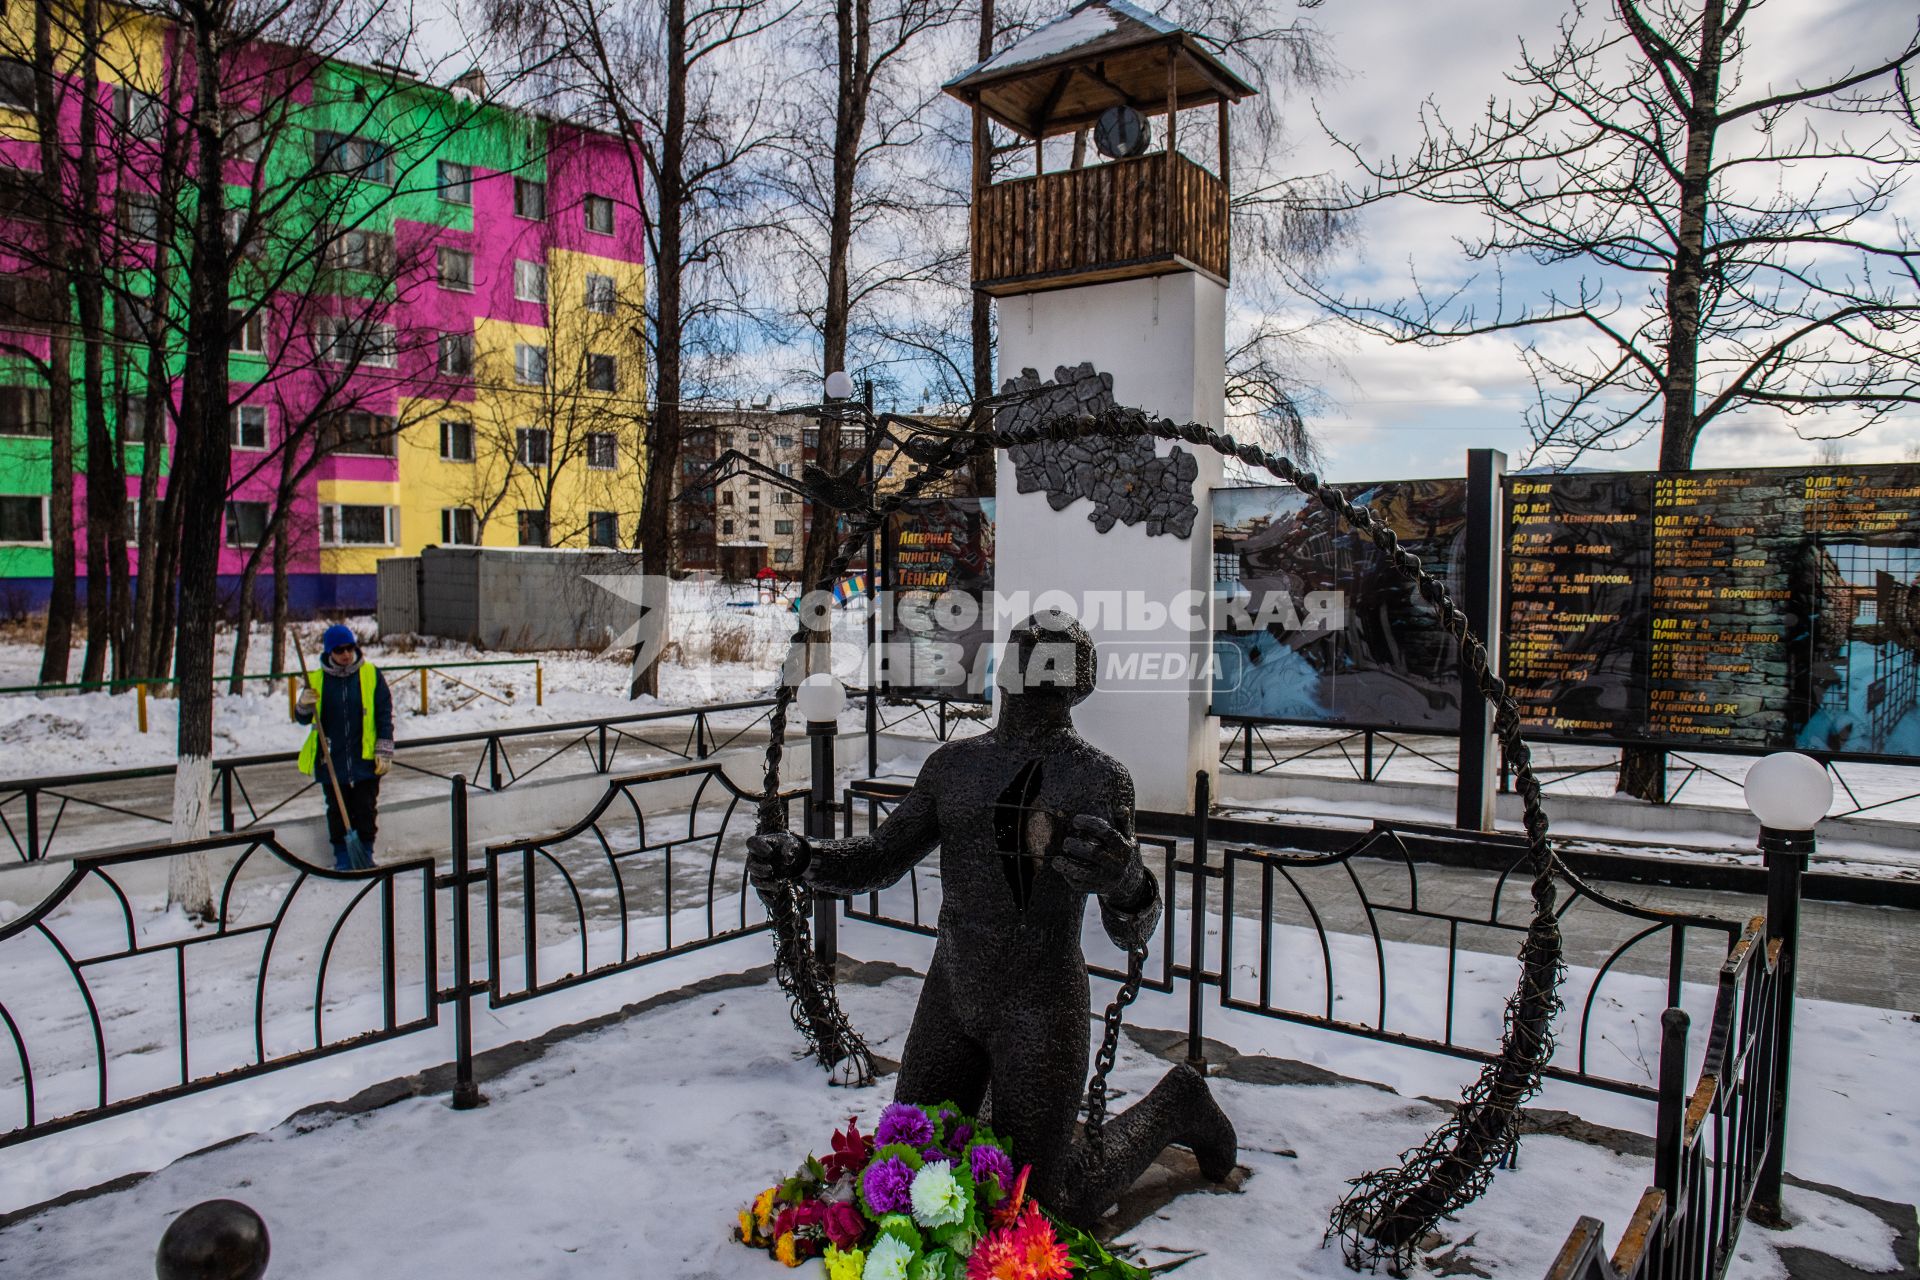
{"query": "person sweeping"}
(355, 715)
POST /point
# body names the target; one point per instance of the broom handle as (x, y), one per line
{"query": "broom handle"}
(320, 732)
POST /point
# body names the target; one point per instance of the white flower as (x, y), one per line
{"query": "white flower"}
(938, 1198)
(888, 1259)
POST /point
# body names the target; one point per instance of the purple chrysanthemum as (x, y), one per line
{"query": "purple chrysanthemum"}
(962, 1135)
(984, 1161)
(906, 1124)
(888, 1186)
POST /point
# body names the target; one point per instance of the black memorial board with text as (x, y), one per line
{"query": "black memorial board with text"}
(938, 558)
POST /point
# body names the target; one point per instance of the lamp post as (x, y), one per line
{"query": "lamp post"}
(1789, 793)
(821, 700)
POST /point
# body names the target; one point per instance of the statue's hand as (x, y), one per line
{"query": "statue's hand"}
(777, 856)
(1097, 859)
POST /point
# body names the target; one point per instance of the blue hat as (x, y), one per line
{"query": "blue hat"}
(336, 635)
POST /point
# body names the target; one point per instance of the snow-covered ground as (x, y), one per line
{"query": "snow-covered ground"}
(626, 1152)
(724, 646)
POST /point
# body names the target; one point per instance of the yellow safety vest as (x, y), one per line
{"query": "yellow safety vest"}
(311, 751)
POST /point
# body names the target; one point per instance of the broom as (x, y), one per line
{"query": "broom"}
(358, 859)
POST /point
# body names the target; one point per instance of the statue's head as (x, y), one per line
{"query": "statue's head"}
(1048, 657)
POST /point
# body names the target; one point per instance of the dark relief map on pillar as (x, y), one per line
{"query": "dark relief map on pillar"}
(1126, 481)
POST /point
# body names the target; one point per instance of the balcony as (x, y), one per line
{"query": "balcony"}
(1148, 216)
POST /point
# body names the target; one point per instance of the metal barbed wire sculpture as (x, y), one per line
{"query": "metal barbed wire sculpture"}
(1388, 1212)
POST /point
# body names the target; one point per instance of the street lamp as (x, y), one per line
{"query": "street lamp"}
(839, 385)
(821, 699)
(1789, 793)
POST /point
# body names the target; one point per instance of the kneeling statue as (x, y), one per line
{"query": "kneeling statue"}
(1030, 820)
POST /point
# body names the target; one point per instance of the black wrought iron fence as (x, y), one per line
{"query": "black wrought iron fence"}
(633, 885)
(1713, 1142)
(125, 807)
(94, 989)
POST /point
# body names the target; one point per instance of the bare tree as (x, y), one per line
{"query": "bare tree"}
(680, 82)
(1735, 251)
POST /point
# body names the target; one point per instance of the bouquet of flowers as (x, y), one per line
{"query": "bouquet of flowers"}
(932, 1194)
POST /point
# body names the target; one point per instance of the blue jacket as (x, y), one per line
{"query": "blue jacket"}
(341, 717)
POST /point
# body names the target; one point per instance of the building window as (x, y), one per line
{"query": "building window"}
(603, 451)
(455, 269)
(141, 115)
(602, 294)
(368, 434)
(248, 426)
(603, 529)
(726, 527)
(16, 91)
(782, 499)
(345, 526)
(457, 526)
(600, 215)
(345, 153)
(603, 373)
(23, 519)
(726, 497)
(246, 334)
(456, 441)
(355, 340)
(456, 354)
(360, 250)
(531, 527)
(783, 526)
(246, 524)
(455, 182)
(246, 132)
(529, 365)
(531, 446)
(783, 556)
(133, 318)
(25, 411)
(133, 417)
(784, 442)
(529, 199)
(529, 281)
(140, 218)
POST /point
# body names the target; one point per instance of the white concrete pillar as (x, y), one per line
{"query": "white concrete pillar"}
(1164, 341)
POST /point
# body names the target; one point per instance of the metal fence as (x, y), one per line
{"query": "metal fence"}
(248, 791)
(1348, 942)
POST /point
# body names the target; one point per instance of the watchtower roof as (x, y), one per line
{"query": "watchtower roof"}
(1101, 54)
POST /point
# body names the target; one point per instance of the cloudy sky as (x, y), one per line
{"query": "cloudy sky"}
(1400, 411)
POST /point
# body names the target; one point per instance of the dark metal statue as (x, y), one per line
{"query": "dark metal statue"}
(1030, 820)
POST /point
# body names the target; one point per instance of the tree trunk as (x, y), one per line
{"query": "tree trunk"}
(1643, 770)
(663, 435)
(277, 659)
(199, 480)
(106, 471)
(61, 589)
(980, 468)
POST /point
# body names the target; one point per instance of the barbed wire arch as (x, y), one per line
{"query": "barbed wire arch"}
(1389, 1211)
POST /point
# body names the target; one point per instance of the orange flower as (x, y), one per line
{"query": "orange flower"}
(763, 1207)
(746, 1227)
(784, 1250)
(1026, 1250)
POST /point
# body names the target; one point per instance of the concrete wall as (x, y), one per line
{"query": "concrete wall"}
(512, 599)
(397, 609)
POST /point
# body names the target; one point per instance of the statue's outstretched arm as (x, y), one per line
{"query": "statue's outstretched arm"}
(867, 863)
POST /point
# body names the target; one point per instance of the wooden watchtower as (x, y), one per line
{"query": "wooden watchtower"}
(1110, 67)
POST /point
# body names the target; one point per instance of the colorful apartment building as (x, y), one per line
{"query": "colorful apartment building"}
(439, 343)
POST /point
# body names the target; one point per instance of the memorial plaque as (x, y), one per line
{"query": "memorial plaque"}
(938, 554)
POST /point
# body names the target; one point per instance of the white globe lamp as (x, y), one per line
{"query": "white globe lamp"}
(839, 385)
(821, 698)
(1788, 791)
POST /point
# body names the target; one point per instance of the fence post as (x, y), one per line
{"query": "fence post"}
(1197, 921)
(493, 762)
(466, 1093)
(140, 693)
(1246, 747)
(1366, 771)
(293, 693)
(1669, 1130)
(819, 826)
(603, 746)
(423, 691)
(1785, 853)
(1481, 575)
(700, 735)
(226, 798)
(539, 685)
(33, 825)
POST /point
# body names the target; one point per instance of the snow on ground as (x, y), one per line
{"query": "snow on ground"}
(725, 646)
(627, 1151)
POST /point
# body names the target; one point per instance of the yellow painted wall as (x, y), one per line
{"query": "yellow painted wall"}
(493, 484)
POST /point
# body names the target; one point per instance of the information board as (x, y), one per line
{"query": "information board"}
(937, 555)
(1754, 610)
(1311, 625)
